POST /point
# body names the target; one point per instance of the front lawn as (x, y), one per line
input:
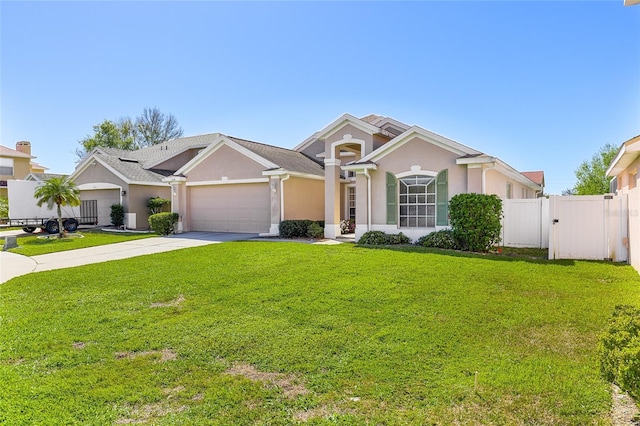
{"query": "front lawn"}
(281, 333)
(43, 243)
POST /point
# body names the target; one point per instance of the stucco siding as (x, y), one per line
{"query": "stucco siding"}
(625, 178)
(226, 162)
(355, 134)
(496, 183)
(99, 174)
(230, 208)
(137, 197)
(303, 199)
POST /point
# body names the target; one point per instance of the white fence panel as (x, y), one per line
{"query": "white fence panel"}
(588, 227)
(525, 223)
(634, 228)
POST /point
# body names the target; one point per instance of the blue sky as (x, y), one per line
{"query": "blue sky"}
(541, 84)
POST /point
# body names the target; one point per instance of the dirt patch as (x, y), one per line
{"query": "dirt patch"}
(78, 345)
(165, 355)
(624, 411)
(290, 384)
(324, 411)
(148, 413)
(172, 303)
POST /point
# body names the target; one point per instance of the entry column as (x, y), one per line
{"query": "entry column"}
(331, 198)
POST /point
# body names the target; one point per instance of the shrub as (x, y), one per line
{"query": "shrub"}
(299, 228)
(475, 219)
(375, 238)
(347, 226)
(442, 239)
(163, 223)
(619, 349)
(155, 204)
(117, 215)
(315, 231)
(4, 206)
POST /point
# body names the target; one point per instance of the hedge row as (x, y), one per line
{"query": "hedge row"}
(302, 229)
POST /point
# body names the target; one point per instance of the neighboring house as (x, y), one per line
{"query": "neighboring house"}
(16, 164)
(624, 168)
(41, 177)
(381, 173)
(624, 173)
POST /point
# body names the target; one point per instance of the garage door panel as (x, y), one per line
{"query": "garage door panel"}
(230, 208)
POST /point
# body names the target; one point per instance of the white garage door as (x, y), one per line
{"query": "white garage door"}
(230, 208)
(105, 198)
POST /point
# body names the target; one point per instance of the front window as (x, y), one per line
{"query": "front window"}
(6, 166)
(351, 203)
(417, 202)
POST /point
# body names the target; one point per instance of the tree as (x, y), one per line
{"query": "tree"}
(109, 134)
(60, 191)
(150, 128)
(154, 127)
(591, 175)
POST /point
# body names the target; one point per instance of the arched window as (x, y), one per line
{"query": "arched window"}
(417, 201)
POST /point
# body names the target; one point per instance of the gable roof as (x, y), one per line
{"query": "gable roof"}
(536, 177)
(42, 176)
(8, 152)
(415, 131)
(139, 166)
(629, 151)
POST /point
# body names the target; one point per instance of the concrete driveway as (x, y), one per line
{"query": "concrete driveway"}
(13, 265)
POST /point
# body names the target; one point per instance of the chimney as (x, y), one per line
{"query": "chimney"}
(24, 146)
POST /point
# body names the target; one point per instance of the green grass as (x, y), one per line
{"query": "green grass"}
(276, 333)
(37, 244)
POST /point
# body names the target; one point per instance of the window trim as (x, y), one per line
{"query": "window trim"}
(426, 204)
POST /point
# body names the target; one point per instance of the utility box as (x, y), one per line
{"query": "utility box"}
(130, 221)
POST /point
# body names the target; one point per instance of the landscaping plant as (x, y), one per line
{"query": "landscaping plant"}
(156, 204)
(475, 220)
(619, 349)
(117, 215)
(374, 238)
(163, 223)
(442, 239)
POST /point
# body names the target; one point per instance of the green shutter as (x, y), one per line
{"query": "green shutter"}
(442, 199)
(392, 199)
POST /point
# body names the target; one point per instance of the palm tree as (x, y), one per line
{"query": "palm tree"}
(59, 191)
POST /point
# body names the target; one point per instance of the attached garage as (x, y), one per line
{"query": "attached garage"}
(230, 207)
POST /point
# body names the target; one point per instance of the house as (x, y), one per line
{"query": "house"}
(623, 170)
(375, 170)
(17, 164)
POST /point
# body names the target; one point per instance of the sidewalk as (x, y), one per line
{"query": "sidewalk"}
(13, 265)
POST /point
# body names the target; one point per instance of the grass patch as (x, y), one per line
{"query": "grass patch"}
(279, 333)
(34, 245)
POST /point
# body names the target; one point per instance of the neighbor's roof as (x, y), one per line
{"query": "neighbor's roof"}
(8, 152)
(44, 176)
(536, 177)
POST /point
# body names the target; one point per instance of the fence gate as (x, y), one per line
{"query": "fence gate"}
(588, 227)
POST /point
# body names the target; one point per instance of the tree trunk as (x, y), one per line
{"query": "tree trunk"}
(60, 228)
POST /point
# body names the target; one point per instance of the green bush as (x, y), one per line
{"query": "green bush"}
(299, 228)
(442, 239)
(315, 231)
(163, 223)
(619, 349)
(475, 220)
(117, 215)
(156, 204)
(4, 206)
(376, 238)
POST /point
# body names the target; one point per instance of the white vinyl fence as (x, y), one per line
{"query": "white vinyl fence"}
(525, 223)
(589, 227)
(594, 227)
